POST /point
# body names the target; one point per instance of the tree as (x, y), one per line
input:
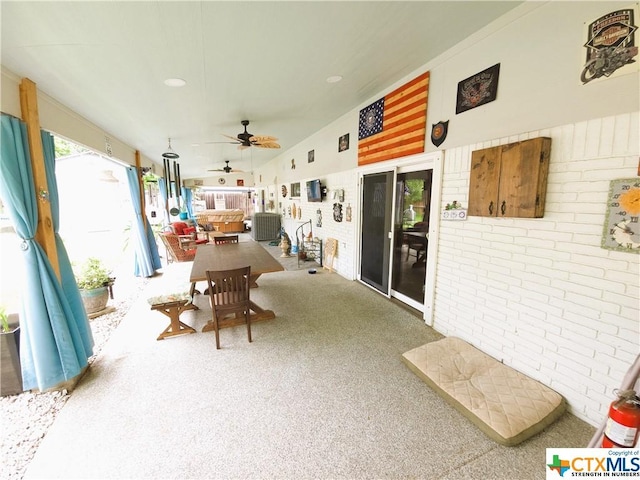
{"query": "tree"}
(65, 147)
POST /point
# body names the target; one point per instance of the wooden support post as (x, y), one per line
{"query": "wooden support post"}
(45, 234)
(141, 186)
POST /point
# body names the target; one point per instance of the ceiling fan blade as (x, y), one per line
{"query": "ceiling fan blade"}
(232, 138)
(266, 145)
(262, 139)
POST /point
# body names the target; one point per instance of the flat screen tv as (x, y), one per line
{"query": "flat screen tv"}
(314, 191)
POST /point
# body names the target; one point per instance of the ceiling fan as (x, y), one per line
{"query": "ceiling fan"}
(225, 169)
(246, 139)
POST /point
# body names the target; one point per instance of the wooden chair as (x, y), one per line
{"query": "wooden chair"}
(229, 294)
(175, 252)
(226, 239)
(418, 246)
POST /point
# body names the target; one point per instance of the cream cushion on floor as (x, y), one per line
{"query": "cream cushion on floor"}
(505, 404)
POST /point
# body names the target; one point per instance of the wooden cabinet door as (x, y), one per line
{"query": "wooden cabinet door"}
(510, 180)
(484, 182)
(523, 178)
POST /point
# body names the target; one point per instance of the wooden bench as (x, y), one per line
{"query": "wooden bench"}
(506, 405)
(172, 306)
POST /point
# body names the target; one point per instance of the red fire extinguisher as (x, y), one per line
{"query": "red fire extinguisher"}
(623, 423)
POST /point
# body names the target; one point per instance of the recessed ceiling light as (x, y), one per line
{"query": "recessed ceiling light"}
(175, 82)
(334, 79)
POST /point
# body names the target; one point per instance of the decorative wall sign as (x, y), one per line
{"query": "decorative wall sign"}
(439, 132)
(611, 45)
(478, 89)
(454, 211)
(240, 182)
(343, 143)
(318, 218)
(394, 126)
(293, 164)
(460, 214)
(284, 190)
(311, 156)
(337, 212)
(621, 227)
(107, 146)
(348, 217)
(295, 190)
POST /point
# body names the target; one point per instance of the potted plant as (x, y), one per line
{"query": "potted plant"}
(11, 374)
(94, 282)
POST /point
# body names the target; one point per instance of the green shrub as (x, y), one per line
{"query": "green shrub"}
(92, 274)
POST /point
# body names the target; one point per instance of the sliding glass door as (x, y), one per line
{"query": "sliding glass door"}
(411, 236)
(377, 197)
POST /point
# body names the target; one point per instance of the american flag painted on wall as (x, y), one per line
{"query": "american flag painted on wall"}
(396, 125)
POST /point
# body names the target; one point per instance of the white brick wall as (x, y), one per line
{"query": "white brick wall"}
(540, 294)
(342, 231)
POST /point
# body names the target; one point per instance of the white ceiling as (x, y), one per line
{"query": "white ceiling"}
(263, 61)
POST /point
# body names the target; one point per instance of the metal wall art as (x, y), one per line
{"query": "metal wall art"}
(610, 45)
(439, 132)
(478, 89)
(343, 143)
(337, 212)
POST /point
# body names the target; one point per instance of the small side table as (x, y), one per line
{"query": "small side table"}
(172, 306)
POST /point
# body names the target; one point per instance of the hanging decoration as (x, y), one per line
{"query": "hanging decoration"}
(439, 132)
(621, 228)
(337, 212)
(611, 45)
(478, 89)
(395, 125)
(170, 154)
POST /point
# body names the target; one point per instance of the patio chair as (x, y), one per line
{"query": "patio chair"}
(175, 252)
(226, 239)
(188, 234)
(229, 294)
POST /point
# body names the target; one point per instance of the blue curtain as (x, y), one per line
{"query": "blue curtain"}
(55, 344)
(162, 185)
(187, 197)
(147, 260)
(67, 277)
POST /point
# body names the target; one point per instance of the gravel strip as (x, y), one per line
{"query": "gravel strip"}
(25, 418)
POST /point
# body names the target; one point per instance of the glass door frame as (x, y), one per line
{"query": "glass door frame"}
(394, 293)
(433, 161)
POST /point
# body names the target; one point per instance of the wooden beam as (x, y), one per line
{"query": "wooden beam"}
(45, 234)
(141, 187)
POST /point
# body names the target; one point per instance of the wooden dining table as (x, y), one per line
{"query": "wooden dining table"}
(230, 256)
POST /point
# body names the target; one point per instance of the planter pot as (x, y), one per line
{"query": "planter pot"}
(95, 299)
(11, 374)
(183, 215)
